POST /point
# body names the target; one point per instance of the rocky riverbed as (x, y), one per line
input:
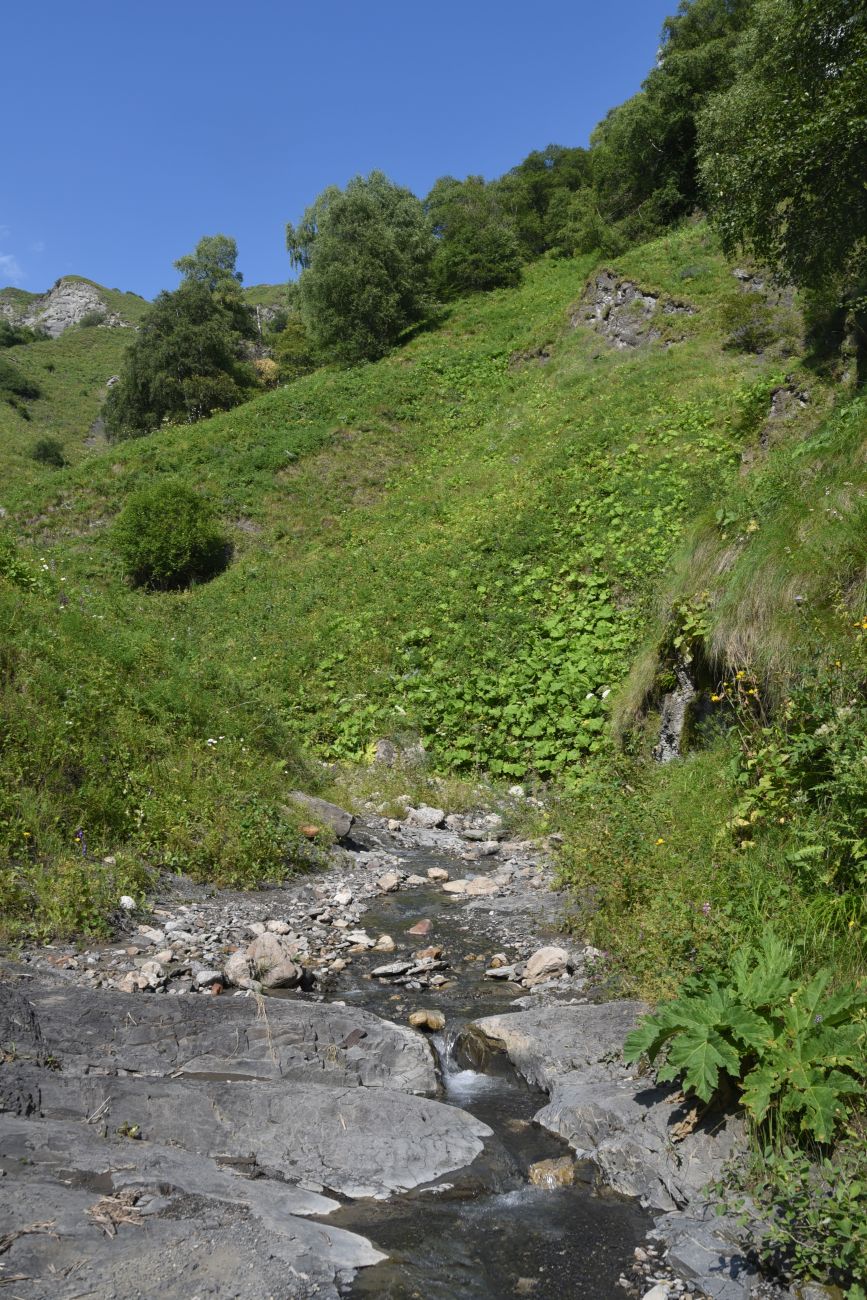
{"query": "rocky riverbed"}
(393, 1078)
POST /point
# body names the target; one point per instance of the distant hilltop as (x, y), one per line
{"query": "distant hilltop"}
(71, 300)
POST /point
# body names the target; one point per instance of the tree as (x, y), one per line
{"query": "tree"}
(477, 246)
(365, 254)
(184, 363)
(783, 150)
(212, 263)
(643, 153)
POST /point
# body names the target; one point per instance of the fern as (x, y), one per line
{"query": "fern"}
(797, 1053)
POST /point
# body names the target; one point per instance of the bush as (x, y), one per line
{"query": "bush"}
(168, 537)
(49, 451)
(749, 323)
(91, 319)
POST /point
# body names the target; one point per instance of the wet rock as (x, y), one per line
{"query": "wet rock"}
(205, 978)
(416, 880)
(388, 883)
(384, 943)
(545, 963)
(658, 1292)
(556, 1172)
(501, 973)
(437, 874)
(426, 817)
(393, 968)
(421, 928)
(432, 1021)
(456, 886)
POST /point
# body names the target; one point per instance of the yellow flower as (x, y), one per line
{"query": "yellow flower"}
(660, 841)
(716, 698)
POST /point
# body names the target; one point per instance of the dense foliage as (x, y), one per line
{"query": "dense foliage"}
(795, 1051)
(187, 359)
(168, 537)
(365, 253)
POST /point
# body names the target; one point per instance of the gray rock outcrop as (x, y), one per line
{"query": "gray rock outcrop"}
(64, 305)
(625, 315)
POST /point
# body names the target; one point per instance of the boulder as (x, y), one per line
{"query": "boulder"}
(265, 953)
(545, 964)
(432, 1021)
(329, 814)
(285, 975)
(426, 817)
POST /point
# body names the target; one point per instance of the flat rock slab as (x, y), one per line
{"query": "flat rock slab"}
(357, 1142)
(193, 1230)
(708, 1249)
(645, 1143)
(240, 1037)
(546, 1043)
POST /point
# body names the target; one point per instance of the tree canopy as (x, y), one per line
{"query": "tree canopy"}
(365, 254)
(185, 361)
(477, 244)
(783, 150)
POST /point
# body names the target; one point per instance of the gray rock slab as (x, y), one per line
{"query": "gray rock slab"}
(630, 1132)
(546, 1043)
(706, 1249)
(234, 1037)
(190, 1247)
(356, 1142)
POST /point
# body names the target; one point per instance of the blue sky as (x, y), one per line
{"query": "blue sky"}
(137, 126)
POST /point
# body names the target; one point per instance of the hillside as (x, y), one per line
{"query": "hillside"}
(90, 328)
(482, 539)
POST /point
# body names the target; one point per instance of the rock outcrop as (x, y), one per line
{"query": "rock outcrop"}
(625, 315)
(63, 306)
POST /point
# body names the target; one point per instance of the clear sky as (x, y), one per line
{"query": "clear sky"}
(133, 127)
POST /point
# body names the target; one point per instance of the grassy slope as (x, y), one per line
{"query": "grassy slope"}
(71, 372)
(459, 538)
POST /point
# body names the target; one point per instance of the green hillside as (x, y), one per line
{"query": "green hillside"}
(481, 538)
(70, 373)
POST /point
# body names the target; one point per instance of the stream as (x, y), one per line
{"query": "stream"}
(487, 1232)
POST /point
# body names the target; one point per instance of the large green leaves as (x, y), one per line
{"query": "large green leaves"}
(797, 1052)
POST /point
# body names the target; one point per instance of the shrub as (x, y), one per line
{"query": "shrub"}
(168, 537)
(817, 1216)
(49, 451)
(91, 319)
(749, 323)
(794, 1051)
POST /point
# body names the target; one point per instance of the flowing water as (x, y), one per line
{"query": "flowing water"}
(485, 1233)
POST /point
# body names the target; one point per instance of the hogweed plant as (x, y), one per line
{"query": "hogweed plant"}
(795, 1052)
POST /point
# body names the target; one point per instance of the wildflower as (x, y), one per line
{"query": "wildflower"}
(212, 740)
(740, 675)
(716, 698)
(705, 907)
(660, 841)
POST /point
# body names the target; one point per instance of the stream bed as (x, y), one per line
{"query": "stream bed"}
(487, 1232)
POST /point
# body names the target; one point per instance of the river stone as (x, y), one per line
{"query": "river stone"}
(265, 953)
(384, 943)
(245, 1236)
(425, 816)
(550, 1041)
(559, 1171)
(706, 1248)
(421, 928)
(545, 964)
(285, 975)
(432, 1021)
(237, 967)
(95, 1031)
(455, 886)
(321, 810)
(480, 887)
(437, 874)
(357, 1142)
(388, 883)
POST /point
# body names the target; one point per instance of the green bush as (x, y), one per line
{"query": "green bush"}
(168, 537)
(91, 319)
(795, 1052)
(49, 451)
(749, 323)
